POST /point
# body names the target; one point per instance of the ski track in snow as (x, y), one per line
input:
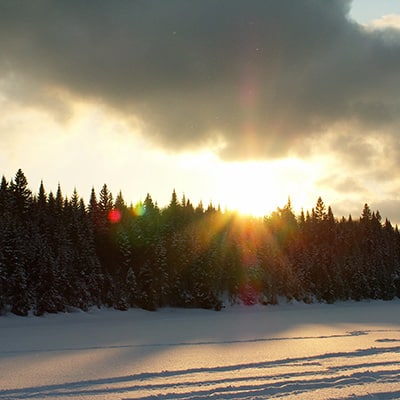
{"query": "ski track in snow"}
(365, 362)
(203, 343)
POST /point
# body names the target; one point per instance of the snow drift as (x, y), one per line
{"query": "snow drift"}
(341, 351)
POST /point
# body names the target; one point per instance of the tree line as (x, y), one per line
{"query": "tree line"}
(59, 254)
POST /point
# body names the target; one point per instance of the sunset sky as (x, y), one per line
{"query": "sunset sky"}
(242, 103)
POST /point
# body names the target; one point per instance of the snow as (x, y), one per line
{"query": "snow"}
(347, 350)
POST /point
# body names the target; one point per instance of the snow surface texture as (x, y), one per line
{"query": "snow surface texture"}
(342, 351)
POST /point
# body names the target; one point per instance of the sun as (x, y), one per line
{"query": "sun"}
(258, 188)
(245, 187)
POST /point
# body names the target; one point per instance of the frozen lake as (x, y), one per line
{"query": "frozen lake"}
(341, 351)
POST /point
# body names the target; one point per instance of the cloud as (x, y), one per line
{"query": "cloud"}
(343, 184)
(391, 207)
(254, 79)
(387, 21)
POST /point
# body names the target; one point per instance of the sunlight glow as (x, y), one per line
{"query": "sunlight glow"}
(386, 21)
(258, 188)
(112, 153)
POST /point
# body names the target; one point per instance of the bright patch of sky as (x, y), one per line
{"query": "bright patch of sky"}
(367, 11)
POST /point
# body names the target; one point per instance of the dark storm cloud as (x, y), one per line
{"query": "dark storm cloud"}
(266, 76)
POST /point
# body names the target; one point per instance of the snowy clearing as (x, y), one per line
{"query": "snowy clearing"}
(342, 351)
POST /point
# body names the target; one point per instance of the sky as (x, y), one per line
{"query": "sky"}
(241, 103)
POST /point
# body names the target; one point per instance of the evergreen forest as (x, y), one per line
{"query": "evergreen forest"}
(58, 254)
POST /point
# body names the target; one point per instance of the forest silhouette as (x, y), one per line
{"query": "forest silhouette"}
(58, 254)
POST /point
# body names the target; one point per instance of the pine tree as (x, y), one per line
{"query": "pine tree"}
(17, 243)
(21, 196)
(172, 215)
(94, 210)
(148, 295)
(366, 215)
(161, 266)
(4, 196)
(123, 263)
(320, 210)
(18, 294)
(199, 209)
(85, 268)
(131, 287)
(47, 297)
(5, 222)
(106, 201)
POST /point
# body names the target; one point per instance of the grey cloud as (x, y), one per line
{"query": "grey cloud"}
(374, 157)
(343, 184)
(390, 208)
(264, 75)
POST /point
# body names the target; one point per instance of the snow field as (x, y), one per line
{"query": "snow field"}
(341, 351)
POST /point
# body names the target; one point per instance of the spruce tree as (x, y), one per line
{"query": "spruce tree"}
(320, 210)
(131, 287)
(21, 196)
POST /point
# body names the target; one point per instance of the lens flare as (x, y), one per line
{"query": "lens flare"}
(138, 210)
(114, 216)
